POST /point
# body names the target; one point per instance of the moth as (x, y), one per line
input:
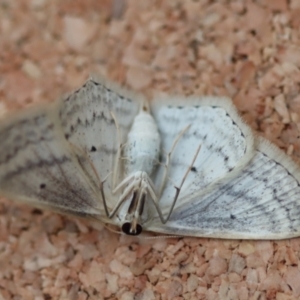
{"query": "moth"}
(186, 166)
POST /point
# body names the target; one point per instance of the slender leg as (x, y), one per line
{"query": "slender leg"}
(114, 177)
(80, 152)
(182, 182)
(123, 183)
(167, 164)
(123, 197)
(100, 182)
(103, 195)
(118, 156)
(154, 197)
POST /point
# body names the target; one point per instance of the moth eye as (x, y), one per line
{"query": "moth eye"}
(93, 149)
(42, 186)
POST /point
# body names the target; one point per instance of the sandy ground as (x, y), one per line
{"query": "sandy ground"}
(247, 50)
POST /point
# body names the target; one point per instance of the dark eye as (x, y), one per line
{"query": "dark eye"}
(93, 149)
(126, 228)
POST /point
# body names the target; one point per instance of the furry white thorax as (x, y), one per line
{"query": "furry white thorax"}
(143, 145)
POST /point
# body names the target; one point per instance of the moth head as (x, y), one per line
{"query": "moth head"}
(132, 228)
(131, 225)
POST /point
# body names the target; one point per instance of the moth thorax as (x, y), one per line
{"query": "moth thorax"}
(143, 145)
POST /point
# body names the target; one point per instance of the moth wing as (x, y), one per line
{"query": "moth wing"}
(89, 119)
(262, 202)
(38, 167)
(226, 145)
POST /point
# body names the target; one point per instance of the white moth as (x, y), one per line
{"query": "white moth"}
(180, 166)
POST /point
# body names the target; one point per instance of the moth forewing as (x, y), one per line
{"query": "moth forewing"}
(227, 144)
(38, 167)
(96, 119)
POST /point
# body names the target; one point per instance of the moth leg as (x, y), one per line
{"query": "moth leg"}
(167, 164)
(103, 194)
(153, 196)
(119, 152)
(80, 152)
(155, 199)
(100, 182)
(125, 193)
